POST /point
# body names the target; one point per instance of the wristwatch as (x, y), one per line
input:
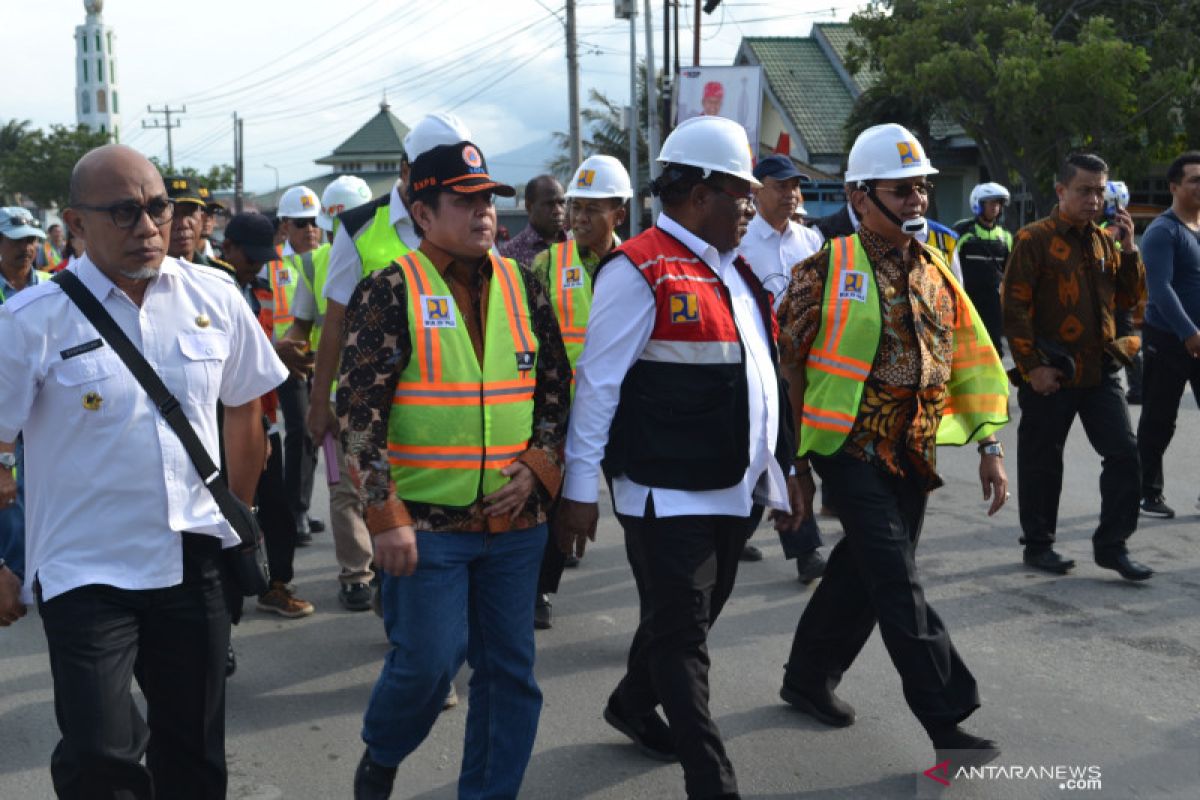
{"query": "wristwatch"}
(991, 449)
(8, 460)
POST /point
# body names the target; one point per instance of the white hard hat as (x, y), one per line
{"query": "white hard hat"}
(299, 202)
(343, 194)
(887, 151)
(1116, 195)
(984, 192)
(599, 177)
(433, 130)
(714, 144)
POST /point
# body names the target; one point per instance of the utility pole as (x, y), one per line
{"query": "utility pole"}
(627, 9)
(166, 111)
(573, 88)
(652, 146)
(696, 35)
(238, 172)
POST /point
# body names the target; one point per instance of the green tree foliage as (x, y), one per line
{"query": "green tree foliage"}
(217, 177)
(38, 164)
(1032, 81)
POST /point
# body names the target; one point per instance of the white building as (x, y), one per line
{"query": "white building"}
(97, 103)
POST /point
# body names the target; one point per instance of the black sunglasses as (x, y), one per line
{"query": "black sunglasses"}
(128, 213)
(303, 222)
(903, 190)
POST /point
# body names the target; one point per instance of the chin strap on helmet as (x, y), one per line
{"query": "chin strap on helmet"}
(909, 227)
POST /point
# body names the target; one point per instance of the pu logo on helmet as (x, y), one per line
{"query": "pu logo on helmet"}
(685, 307)
(572, 278)
(471, 157)
(307, 201)
(586, 176)
(910, 154)
(437, 312)
(854, 286)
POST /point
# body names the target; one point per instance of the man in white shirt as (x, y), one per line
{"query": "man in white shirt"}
(124, 547)
(678, 395)
(773, 244)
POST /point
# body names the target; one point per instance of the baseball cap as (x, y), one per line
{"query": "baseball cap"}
(433, 130)
(18, 223)
(779, 167)
(455, 168)
(254, 233)
(183, 189)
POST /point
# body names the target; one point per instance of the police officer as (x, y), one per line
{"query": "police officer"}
(886, 359)
(983, 248)
(678, 377)
(188, 222)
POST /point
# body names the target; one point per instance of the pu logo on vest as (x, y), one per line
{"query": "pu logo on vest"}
(584, 181)
(685, 308)
(910, 154)
(438, 312)
(854, 286)
(284, 276)
(572, 278)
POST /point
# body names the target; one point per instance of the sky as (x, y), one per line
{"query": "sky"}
(306, 74)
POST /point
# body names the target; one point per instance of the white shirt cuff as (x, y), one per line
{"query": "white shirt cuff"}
(581, 485)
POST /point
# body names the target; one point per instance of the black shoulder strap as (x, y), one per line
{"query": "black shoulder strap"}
(159, 394)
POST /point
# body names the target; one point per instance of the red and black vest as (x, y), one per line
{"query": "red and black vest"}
(683, 419)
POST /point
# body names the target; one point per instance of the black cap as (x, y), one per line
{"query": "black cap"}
(254, 233)
(183, 189)
(779, 167)
(454, 168)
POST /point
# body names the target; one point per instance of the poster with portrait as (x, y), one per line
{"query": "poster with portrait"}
(731, 92)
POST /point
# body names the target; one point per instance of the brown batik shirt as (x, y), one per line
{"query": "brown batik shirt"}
(905, 394)
(378, 348)
(1064, 284)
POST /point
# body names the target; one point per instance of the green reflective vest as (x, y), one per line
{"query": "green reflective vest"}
(313, 272)
(848, 339)
(571, 294)
(38, 277)
(455, 423)
(285, 274)
(377, 242)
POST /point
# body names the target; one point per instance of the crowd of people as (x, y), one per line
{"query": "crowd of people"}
(470, 398)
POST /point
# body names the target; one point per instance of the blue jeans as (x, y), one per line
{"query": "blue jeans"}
(12, 523)
(471, 597)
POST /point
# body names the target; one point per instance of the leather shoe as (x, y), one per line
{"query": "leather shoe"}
(373, 781)
(316, 525)
(649, 732)
(1125, 566)
(820, 703)
(963, 749)
(751, 553)
(542, 613)
(810, 567)
(1048, 561)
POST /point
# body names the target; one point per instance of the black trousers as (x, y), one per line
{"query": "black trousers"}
(872, 577)
(553, 560)
(174, 642)
(274, 517)
(798, 543)
(684, 568)
(1045, 422)
(299, 453)
(1168, 369)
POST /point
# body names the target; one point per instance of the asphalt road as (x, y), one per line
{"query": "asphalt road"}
(1075, 672)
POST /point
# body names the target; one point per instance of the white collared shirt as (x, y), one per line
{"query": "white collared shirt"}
(345, 265)
(772, 254)
(621, 321)
(108, 483)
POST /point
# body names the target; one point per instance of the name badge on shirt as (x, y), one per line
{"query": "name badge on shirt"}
(437, 312)
(572, 278)
(80, 349)
(854, 286)
(524, 361)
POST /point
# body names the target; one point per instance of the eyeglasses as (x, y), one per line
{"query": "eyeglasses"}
(744, 197)
(903, 190)
(128, 213)
(303, 222)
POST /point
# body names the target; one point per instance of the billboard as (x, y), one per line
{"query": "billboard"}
(731, 92)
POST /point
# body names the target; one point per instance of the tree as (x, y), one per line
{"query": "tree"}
(38, 163)
(608, 134)
(220, 176)
(1030, 82)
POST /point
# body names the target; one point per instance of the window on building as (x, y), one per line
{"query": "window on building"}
(102, 128)
(116, 105)
(85, 102)
(112, 72)
(83, 41)
(99, 47)
(108, 38)
(101, 102)
(85, 71)
(100, 70)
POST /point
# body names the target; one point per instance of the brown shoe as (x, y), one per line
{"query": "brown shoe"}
(280, 600)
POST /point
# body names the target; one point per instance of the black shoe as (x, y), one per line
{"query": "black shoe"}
(810, 567)
(1048, 561)
(303, 535)
(1157, 507)
(230, 662)
(820, 703)
(542, 612)
(1128, 569)
(373, 781)
(571, 562)
(355, 596)
(651, 735)
(751, 553)
(963, 749)
(316, 525)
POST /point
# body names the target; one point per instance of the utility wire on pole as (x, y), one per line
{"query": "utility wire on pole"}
(627, 9)
(166, 111)
(651, 110)
(576, 147)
